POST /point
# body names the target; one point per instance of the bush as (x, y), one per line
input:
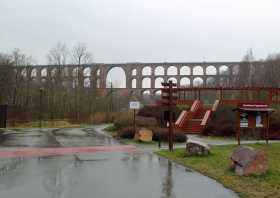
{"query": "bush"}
(157, 112)
(123, 119)
(98, 118)
(146, 121)
(222, 122)
(162, 134)
(126, 133)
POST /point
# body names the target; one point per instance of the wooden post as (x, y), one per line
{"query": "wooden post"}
(170, 132)
(267, 128)
(238, 127)
(134, 120)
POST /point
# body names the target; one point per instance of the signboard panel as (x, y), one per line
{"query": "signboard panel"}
(134, 105)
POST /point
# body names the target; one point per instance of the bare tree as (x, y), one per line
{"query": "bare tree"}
(58, 55)
(80, 54)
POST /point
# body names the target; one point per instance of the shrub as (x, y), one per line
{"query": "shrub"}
(157, 112)
(98, 118)
(146, 121)
(123, 119)
(126, 133)
(162, 134)
(222, 122)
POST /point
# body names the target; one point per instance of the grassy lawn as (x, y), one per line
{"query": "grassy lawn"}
(217, 164)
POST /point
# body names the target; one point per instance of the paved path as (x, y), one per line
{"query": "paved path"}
(122, 174)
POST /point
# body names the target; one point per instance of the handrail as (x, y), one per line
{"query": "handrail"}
(206, 118)
(180, 118)
(196, 105)
(215, 105)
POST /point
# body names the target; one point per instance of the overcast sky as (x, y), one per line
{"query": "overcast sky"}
(143, 30)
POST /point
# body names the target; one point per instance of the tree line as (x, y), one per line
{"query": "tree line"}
(28, 99)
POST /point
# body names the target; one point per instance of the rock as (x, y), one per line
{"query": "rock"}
(144, 135)
(248, 161)
(197, 148)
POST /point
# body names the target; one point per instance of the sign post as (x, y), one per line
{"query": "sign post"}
(169, 97)
(252, 115)
(134, 105)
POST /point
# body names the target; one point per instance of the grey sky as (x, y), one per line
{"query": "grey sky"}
(143, 30)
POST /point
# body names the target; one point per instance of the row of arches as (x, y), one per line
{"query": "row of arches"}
(184, 82)
(66, 72)
(146, 71)
(184, 70)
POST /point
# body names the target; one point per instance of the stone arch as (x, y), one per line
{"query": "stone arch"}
(159, 71)
(224, 70)
(133, 83)
(157, 92)
(174, 80)
(75, 83)
(98, 71)
(43, 80)
(116, 76)
(210, 81)
(147, 71)
(66, 71)
(34, 73)
(198, 71)
(98, 83)
(146, 82)
(224, 81)
(53, 72)
(146, 92)
(185, 82)
(158, 82)
(44, 72)
(134, 72)
(172, 71)
(235, 70)
(197, 82)
(75, 72)
(211, 70)
(185, 70)
(87, 72)
(24, 73)
(87, 82)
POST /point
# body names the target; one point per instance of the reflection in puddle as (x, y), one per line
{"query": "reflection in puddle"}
(167, 185)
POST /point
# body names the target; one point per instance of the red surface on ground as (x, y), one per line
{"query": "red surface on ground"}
(41, 152)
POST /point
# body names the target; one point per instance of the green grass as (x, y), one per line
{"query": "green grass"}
(133, 141)
(47, 124)
(217, 166)
(110, 128)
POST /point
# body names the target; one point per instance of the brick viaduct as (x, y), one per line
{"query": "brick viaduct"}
(141, 78)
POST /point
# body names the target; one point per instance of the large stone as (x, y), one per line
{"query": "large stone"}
(144, 135)
(248, 161)
(197, 148)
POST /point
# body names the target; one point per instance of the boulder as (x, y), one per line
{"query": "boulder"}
(197, 148)
(248, 161)
(144, 135)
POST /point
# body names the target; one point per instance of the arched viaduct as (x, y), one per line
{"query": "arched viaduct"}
(141, 78)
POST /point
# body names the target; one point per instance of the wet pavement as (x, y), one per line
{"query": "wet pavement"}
(117, 174)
